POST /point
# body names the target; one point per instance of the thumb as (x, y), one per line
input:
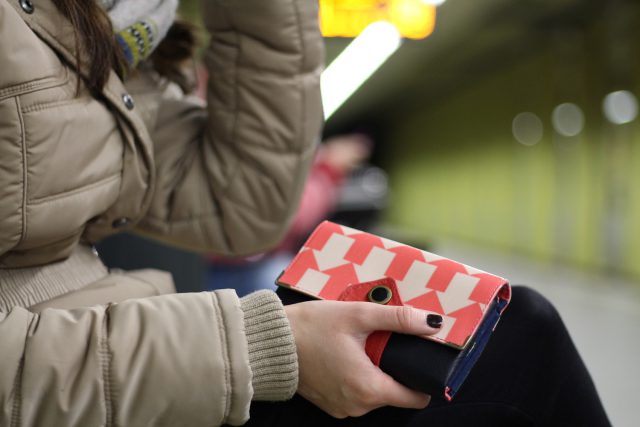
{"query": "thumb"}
(405, 320)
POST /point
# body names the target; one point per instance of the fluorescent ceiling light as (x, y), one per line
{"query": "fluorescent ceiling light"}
(434, 2)
(364, 55)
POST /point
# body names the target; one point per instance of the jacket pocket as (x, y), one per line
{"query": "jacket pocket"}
(61, 78)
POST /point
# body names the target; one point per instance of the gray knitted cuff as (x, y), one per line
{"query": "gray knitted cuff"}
(272, 350)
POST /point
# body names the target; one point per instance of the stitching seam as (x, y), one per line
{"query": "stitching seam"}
(301, 75)
(47, 105)
(16, 411)
(24, 88)
(23, 141)
(235, 112)
(70, 193)
(105, 365)
(225, 353)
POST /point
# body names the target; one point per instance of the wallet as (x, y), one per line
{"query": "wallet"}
(344, 264)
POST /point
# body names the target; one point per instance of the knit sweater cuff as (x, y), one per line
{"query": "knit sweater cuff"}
(272, 350)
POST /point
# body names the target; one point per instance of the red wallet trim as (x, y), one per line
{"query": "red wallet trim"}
(376, 341)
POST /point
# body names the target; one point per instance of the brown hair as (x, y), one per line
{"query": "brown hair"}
(174, 50)
(94, 34)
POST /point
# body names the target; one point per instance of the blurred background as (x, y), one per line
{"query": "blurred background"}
(500, 133)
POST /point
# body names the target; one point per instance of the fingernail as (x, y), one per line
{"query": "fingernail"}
(434, 320)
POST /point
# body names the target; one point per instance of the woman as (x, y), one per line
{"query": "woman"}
(83, 156)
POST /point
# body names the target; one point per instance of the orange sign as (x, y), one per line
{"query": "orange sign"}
(414, 19)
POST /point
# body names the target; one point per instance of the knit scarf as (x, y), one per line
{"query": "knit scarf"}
(140, 25)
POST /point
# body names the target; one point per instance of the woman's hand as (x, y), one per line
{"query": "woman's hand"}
(335, 372)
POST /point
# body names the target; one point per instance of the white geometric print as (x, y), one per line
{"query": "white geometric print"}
(415, 281)
(334, 251)
(388, 244)
(458, 292)
(472, 270)
(375, 265)
(348, 231)
(429, 257)
(313, 281)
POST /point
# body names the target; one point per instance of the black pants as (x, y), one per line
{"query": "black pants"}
(530, 374)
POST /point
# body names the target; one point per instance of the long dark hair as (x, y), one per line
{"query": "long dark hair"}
(94, 34)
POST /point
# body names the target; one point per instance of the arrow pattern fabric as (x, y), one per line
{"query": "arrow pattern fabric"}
(335, 257)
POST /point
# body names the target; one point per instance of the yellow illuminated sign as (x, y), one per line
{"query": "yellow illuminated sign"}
(414, 19)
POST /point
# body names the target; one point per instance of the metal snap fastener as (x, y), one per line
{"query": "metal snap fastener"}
(128, 101)
(120, 222)
(380, 295)
(27, 6)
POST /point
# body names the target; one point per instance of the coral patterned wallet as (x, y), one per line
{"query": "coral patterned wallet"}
(341, 263)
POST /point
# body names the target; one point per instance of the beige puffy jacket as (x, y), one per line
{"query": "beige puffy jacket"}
(75, 348)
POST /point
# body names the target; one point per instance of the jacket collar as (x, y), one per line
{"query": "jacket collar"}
(45, 20)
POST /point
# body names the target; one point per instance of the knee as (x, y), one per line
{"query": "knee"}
(530, 307)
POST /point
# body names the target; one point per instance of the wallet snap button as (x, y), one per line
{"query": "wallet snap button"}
(380, 295)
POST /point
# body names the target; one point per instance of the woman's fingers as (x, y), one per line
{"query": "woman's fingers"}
(405, 319)
(334, 371)
(395, 394)
(373, 389)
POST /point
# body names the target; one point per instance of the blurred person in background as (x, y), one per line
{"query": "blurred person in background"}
(98, 137)
(336, 159)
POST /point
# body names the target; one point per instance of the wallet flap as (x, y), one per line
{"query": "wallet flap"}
(336, 257)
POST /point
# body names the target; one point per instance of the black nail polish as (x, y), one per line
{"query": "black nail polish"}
(434, 320)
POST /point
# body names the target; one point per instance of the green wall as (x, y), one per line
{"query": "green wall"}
(456, 170)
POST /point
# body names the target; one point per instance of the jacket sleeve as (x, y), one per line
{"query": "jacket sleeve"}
(168, 360)
(229, 176)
